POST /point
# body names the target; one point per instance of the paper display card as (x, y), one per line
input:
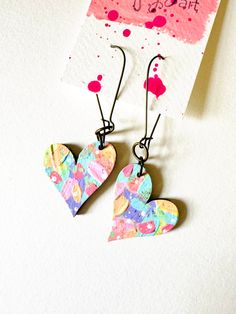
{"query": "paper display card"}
(176, 29)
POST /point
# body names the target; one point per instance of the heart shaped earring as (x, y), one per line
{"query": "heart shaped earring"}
(134, 215)
(77, 181)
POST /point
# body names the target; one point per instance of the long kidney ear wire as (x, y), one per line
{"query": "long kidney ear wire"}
(145, 141)
(108, 124)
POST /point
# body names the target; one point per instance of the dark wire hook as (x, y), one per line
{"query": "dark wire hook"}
(147, 89)
(107, 129)
(120, 81)
(101, 132)
(101, 112)
(145, 142)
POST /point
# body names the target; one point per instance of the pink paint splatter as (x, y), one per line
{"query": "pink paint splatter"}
(113, 15)
(95, 86)
(149, 25)
(126, 32)
(159, 21)
(193, 21)
(155, 86)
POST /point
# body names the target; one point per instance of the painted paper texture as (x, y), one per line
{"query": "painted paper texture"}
(176, 29)
(76, 182)
(136, 216)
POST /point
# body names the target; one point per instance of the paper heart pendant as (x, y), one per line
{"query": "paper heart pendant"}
(134, 216)
(78, 181)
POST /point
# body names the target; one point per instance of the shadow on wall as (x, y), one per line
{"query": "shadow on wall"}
(197, 103)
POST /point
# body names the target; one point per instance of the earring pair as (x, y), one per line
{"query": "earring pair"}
(134, 215)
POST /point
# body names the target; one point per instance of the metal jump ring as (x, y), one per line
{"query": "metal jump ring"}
(142, 146)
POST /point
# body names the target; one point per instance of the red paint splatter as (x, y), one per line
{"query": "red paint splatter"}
(190, 32)
(155, 86)
(149, 25)
(113, 15)
(94, 86)
(159, 21)
(126, 32)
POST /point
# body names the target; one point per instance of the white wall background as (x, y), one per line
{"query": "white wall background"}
(52, 263)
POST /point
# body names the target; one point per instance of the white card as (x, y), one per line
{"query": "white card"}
(176, 29)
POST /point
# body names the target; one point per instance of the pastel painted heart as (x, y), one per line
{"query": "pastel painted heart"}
(78, 181)
(134, 216)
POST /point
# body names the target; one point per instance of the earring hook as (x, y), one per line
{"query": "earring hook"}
(145, 141)
(108, 125)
